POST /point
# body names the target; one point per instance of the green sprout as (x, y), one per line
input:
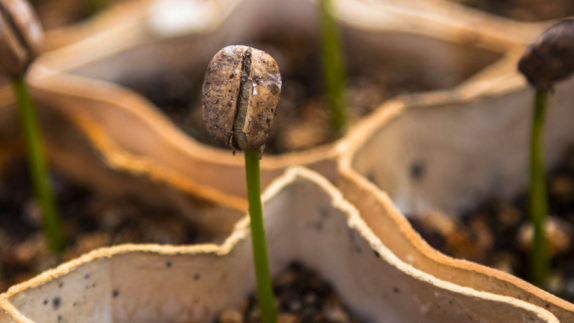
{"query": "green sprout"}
(538, 204)
(548, 59)
(21, 40)
(238, 111)
(95, 6)
(333, 71)
(264, 287)
(50, 216)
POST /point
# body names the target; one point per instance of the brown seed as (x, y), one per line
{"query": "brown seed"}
(240, 96)
(550, 58)
(20, 36)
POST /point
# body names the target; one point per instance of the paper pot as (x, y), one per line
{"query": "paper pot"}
(307, 220)
(84, 81)
(450, 156)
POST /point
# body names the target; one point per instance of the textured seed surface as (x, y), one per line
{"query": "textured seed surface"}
(240, 96)
(550, 58)
(21, 35)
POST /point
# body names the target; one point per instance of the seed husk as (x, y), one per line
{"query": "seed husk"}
(550, 58)
(240, 95)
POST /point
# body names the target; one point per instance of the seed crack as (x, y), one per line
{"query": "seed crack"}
(239, 138)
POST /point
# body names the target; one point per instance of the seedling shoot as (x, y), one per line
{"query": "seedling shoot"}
(26, 33)
(548, 59)
(240, 96)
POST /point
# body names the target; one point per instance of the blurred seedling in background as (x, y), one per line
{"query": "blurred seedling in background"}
(550, 58)
(21, 36)
(240, 96)
(95, 6)
(333, 69)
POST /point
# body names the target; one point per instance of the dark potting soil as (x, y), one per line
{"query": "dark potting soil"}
(301, 296)
(498, 233)
(525, 10)
(303, 120)
(90, 220)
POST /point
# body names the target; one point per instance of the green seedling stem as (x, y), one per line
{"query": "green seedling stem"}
(95, 6)
(264, 287)
(539, 260)
(36, 160)
(333, 71)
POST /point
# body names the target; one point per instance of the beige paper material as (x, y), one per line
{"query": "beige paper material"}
(307, 220)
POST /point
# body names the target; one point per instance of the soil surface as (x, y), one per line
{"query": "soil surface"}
(525, 10)
(498, 233)
(303, 120)
(91, 221)
(301, 296)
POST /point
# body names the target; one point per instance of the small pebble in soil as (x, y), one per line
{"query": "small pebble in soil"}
(230, 316)
(507, 216)
(301, 296)
(556, 283)
(504, 261)
(563, 188)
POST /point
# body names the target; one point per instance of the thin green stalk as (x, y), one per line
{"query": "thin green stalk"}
(50, 215)
(539, 260)
(264, 287)
(95, 6)
(333, 71)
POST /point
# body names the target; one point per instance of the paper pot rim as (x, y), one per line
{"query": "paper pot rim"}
(508, 81)
(240, 233)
